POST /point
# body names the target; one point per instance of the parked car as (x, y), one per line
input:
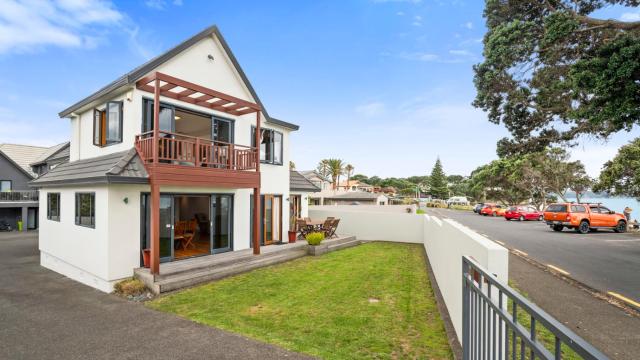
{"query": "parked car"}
(493, 210)
(522, 213)
(583, 217)
(458, 200)
(478, 207)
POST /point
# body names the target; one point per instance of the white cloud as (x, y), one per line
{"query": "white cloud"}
(28, 26)
(417, 20)
(420, 56)
(371, 109)
(630, 16)
(400, 13)
(156, 4)
(392, 1)
(468, 25)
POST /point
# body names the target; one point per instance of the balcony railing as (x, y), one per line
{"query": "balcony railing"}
(28, 195)
(184, 150)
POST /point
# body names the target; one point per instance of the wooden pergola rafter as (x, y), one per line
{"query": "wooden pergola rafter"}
(182, 90)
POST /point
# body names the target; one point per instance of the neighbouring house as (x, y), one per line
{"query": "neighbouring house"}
(299, 190)
(355, 185)
(18, 202)
(318, 180)
(178, 157)
(51, 158)
(355, 198)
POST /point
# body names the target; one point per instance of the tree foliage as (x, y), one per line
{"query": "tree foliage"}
(438, 182)
(621, 176)
(552, 72)
(532, 177)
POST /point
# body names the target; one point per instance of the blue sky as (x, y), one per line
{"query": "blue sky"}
(385, 85)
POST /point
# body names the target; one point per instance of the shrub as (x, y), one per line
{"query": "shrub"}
(315, 238)
(133, 287)
(420, 211)
(462, 207)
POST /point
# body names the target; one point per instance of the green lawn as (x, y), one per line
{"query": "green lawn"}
(369, 301)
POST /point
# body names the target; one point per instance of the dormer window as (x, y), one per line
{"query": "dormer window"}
(107, 124)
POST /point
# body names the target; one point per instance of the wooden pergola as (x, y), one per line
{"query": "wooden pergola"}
(168, 86)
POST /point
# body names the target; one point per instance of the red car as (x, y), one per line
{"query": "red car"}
(523, 212)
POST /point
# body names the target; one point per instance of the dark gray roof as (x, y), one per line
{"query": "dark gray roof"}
(55, 152)
(297, 182)
(118, 168)
(355, 195)
(136, 74)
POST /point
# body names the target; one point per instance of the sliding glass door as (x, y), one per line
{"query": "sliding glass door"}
(272, 219)
(166, 227)
(221, 223)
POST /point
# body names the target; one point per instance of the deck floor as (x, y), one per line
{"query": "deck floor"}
(212, 260)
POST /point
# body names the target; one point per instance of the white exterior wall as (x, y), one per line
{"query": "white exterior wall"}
(93, 256)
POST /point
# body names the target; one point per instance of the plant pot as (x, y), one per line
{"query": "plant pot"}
(292, 236)
(146, 258)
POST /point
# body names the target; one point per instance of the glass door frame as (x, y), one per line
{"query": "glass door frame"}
(266, 198)
(229, 246)
(171, 226)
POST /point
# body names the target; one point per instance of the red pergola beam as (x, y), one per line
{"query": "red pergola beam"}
(191, 88)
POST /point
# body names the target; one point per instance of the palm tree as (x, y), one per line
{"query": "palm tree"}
(336, 168)
(349, 170)
(292, 165)
(323, 168)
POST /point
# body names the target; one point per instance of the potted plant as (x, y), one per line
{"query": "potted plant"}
(314, 240)
(146, 258)
(292, 231)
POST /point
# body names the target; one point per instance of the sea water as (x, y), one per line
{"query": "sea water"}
(616, 204)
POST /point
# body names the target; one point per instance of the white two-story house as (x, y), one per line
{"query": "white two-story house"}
(175, 159)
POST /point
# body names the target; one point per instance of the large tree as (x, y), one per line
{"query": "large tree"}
(553, 72)
(438, 182)
(621, 176)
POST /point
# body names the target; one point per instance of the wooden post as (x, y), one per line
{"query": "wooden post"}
(156, 120)
(256, 193)
(154, 228)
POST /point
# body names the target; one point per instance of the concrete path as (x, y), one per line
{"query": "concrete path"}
(605, 326)
(44, 315)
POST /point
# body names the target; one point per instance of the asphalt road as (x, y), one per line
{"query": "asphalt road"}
(44, 315)
(603, 260)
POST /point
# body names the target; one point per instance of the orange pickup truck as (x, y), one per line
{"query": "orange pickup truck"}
(583, 217)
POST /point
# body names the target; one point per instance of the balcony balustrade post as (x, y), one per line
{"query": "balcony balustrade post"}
(231, 156)
(197, 153)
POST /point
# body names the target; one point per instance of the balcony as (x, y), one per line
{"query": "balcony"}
(19, 196)
(189, 160)
(192, 151)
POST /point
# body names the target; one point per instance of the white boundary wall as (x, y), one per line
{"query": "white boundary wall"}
(445, 242)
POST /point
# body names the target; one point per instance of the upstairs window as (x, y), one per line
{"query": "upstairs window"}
(53, 206)
(5, 185)
(86, 209)
(107, 124)
(270, 145)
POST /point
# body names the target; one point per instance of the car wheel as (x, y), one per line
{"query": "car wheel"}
(521, 218)
(557, 227)
(583, 228)
(540, 218)
(621, 227)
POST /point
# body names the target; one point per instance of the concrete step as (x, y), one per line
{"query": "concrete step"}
(344, 245)
(202, 275)
(341, 240)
